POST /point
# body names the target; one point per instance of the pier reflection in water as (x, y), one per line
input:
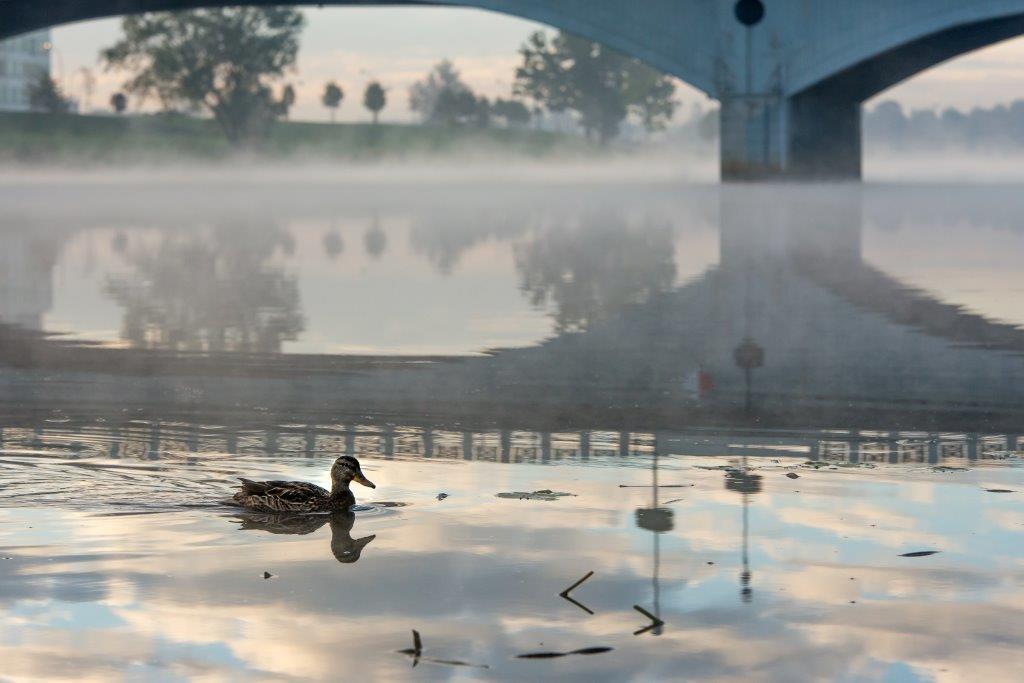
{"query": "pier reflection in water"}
(668, 360)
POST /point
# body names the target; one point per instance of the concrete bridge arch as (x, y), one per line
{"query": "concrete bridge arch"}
(790, 86)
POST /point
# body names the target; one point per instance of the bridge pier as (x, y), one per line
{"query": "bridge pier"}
(810, 136)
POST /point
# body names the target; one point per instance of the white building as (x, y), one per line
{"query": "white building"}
(22, 60)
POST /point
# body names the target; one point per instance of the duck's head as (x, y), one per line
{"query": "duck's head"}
(346, 469)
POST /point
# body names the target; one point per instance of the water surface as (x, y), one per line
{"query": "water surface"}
(666, 355)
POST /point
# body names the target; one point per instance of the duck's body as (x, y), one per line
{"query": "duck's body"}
(300, 496)
(291, 496)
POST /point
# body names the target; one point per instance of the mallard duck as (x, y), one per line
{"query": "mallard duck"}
(299, 496)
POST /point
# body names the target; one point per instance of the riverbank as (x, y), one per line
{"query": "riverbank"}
(33, 138)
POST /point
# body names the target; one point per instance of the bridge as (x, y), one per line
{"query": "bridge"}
(790, 74)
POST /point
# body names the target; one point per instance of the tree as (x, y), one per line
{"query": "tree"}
(650, 94)
(119, 102)
(601, 85)
(333, 243)
(45, 95)
(375, 240)
(455, 107)
(482, 111)
(332, 97)
(443, 80)
(88, 87)
(222, 60)
(374, 99)
(515, 113)
(287, 100)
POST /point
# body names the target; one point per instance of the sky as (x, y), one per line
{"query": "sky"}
(399, 45)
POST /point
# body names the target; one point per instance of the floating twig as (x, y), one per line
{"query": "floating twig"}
(655, 621)
(416, 652)
(920, 553)
(565, 594)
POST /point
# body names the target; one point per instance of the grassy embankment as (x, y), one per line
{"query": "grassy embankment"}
(62, 138)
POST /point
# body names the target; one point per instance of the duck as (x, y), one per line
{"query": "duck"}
(303, 497)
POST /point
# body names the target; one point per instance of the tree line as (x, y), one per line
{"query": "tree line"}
(232, 63)
(995, 127)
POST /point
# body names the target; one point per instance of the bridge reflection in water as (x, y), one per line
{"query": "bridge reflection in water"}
(140, 439)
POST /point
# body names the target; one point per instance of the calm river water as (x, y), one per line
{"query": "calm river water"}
(788, 420)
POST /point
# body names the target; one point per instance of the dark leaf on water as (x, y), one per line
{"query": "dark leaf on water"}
(553, 655)
(792, 475)
(1000, 490)
(267, 575)
(920, 553)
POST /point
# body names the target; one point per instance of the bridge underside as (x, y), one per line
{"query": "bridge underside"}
(790, 87)
(816, 133)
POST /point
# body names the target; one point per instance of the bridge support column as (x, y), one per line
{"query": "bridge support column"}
(810, 136)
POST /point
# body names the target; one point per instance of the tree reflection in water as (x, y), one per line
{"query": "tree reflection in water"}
(375, 240)
(215, 291)
(592, 271)
(443, 237)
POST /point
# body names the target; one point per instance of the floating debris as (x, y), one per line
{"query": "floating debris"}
(565, 594)
(659, 486)
(655, 621)
(1000, 490)
(792, 475)
(267, 575)
(543, 494)
(920, 553)
(674, 500)
(442, 496)
(949, 468)
(553, 655)
(416, 652)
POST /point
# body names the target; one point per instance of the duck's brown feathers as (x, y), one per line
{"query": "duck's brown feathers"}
(291, 496)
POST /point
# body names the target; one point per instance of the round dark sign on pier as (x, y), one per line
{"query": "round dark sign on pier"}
(749, 12)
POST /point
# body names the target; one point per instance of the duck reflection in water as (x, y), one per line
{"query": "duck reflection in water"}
(345, 548)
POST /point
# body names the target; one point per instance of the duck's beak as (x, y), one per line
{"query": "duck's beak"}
(360, 479)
